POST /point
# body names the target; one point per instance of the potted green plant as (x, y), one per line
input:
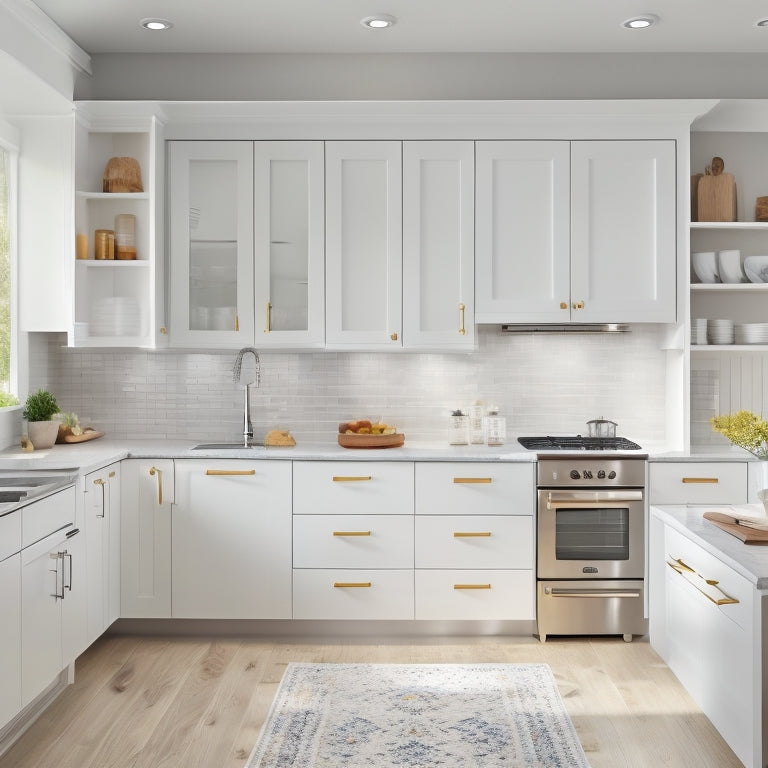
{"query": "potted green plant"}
(39, 410)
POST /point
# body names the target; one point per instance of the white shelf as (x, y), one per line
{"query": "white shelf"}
(729, 347)
(729, 287)
(102, 263)
(112, 195)
(735, 225)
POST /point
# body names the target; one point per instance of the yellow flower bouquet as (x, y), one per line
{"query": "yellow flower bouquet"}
(746, 430)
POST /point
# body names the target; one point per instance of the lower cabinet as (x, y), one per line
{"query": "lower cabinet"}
(706, 623)
(231, 543)
(697, 482)
(10, 633)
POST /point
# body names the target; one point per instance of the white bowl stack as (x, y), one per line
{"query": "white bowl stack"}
(115, 316)
(751, 333)
(705, 266)
(699, 331)
(730, 269)
(720, 331)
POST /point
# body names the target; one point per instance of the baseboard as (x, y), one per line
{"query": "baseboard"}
(298, 629)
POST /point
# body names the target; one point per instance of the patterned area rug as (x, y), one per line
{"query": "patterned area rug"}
(418, 716)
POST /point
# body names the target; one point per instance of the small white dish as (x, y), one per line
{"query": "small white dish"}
(756, 268)
(705, 266)
(730, 269)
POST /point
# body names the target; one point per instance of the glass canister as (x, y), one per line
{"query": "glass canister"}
(495, 427)
(125, 236)
(458, 428)
(476, 426)
(104, 244)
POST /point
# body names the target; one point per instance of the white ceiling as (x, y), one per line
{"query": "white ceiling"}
(446, 26)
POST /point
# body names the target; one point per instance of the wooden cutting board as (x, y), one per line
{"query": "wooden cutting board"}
(730, 524)
(716, 198)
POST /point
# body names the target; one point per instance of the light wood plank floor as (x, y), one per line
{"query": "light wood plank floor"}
(154, 702)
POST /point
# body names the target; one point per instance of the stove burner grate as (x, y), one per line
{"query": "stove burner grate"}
(577, 443)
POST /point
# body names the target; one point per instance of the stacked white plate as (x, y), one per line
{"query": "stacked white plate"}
(720, 331)
(751, 333)
(115, 316)
(699, 331)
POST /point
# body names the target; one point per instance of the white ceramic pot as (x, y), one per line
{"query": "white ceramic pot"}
(43, 434)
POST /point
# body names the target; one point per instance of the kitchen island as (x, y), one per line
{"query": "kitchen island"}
(708, 598)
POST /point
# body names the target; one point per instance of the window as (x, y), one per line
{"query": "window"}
(5, 270)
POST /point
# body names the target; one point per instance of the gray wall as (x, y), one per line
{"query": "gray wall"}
(255, 77)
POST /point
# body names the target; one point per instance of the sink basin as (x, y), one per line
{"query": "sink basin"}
(27, 481)
(21, 486)
(226, 446)
(12, 496)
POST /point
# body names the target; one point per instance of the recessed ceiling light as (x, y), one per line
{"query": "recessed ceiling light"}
(761, 23)
(380, 21)
(640, 22)
(156, 24)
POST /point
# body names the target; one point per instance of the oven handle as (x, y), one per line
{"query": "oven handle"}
(554, 592)
(595, 501)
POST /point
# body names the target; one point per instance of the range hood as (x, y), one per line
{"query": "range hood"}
(566, 328)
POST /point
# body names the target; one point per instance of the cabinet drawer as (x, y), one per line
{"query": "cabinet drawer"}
(352, 487)
(353, 594)
(353, 541)
(474, 541)
(466, 488)
(710, 568)
(476, 594)
(43, 517)
(10, 534)
(698, 483)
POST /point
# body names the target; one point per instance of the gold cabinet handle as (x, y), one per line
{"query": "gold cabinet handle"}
(237, 322)
(230, 472)
(712, 591)
(470, 534)
(578, 305)
(393, 336)
(163, 330)
(701, 479)
(351, 478)
(462, 329)
(563, 305)
(351, 584)
(351, 533)
(102, 483)
(474, 480)
(268, 329)
(471, 586)
(112, 474)
(159, 472)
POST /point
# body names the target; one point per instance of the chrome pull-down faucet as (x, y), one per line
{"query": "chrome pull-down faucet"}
(247, 425)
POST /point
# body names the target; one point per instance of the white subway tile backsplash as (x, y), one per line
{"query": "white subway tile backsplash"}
(542, 383)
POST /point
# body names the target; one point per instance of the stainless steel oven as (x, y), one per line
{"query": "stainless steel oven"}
(591, 545)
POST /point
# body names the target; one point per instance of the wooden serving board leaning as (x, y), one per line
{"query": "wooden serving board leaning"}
(732, 525)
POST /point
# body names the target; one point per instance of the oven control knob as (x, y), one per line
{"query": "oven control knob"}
(612, 475)
(587, 474)
(575, 474)
(601, 474)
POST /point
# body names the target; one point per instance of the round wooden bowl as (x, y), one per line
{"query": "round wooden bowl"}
(372, 441)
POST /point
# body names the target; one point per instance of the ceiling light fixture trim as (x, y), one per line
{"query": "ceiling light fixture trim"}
(156, 25)
(641, 22)
(379, 21)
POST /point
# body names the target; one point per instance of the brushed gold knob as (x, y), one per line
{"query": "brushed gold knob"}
(393, 336)
(163, 330)
(563, 305)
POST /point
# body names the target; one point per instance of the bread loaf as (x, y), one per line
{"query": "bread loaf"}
(279, 437)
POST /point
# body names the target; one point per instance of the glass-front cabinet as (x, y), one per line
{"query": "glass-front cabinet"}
(245, 243)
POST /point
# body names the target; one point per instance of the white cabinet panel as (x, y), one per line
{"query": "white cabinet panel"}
(500, 595)
(363, 198)
(10, 638)
(716, 482)
(145, 557)
(231, 553)
(623, 231)
(475, 488)
(438, 244)
(523, 232)
(352, 541)
(474, 541)
(74, 606)
(353, 487)
(353, 594)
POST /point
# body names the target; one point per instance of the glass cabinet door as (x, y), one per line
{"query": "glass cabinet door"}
(211, 243)
(289, 241)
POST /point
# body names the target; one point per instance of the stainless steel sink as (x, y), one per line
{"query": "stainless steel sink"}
(226, 446)
(24, 485)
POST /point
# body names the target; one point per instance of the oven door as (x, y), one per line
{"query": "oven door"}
(591, 534)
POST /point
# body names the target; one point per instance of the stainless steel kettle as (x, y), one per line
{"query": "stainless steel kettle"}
(601, 428)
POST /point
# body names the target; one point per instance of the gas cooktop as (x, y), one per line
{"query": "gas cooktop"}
(577, 443)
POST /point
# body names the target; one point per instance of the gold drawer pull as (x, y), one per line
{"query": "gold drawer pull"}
(350, 584)
(230, 471)
(477, 480)
(351, 479)
(697, 581)
(467, 534)
(112, 474)
(701, 479)
(351, 533)
(471, 586)
(159, 472)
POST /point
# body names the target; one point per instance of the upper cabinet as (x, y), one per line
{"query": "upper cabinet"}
(118, 224)
(400, 244)
(580, 231)
(246, 243)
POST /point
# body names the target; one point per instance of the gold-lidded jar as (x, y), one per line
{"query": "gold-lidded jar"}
(104, 244)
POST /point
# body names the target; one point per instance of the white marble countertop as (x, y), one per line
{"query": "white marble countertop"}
(750, 560)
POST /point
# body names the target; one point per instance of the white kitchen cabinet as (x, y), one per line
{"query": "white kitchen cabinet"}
(438, 244)
(148, 492)
(579, 231)
(10, 628)
(231, 552)
(118, 302)
(706, 623)
(697, 482)
(363, 251)
(211, 243)
(102, 532)
(74, 606)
